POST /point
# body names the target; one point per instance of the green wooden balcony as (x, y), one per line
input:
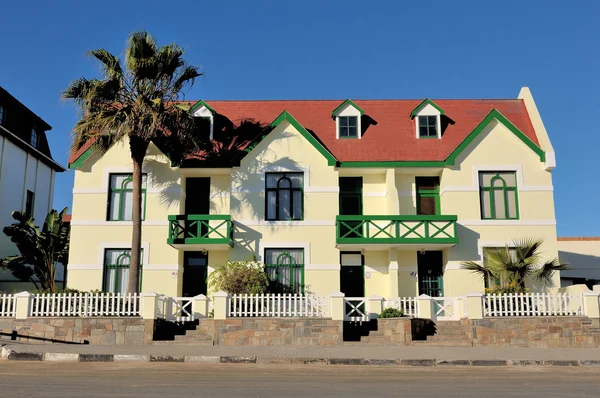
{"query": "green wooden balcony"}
(421, 231)
(192, 231)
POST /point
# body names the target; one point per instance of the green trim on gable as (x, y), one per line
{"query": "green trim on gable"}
(427, 101)
(286, 116)
(78, 163)
(495, 114)
(199, 104)
(343, 104)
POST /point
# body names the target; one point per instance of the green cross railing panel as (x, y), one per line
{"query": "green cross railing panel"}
(396, 229)
(200, 229)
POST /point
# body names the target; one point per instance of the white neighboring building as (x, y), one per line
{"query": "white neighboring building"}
(27, 173)
(583, 253)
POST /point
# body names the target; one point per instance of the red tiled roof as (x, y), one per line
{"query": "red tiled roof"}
(392, 135)
(67, 218)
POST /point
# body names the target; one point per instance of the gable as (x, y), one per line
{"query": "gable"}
(285, 116)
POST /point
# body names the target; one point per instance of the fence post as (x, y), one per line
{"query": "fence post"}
(424, 307)
(221, 305)
(149, 305)
(23, 303)
(591, 305)
(475, 306)
(336, 306)
(200, 306)
(375, 306)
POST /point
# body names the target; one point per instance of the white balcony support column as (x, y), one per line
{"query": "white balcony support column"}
(200, 306)
(375, 306)
(475, 306)
(221, 305)
(23, 304)
(336, 306)
(149, 305)
(425, 307)
(591, 305)
(393, 274)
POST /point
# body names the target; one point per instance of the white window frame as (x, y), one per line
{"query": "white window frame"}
(206, 113)
(348, 110)
(428, 110)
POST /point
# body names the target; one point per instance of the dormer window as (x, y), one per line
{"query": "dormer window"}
(202, 110)
(428, 126)
(348, 126)
(347, 120)
(34, 139)
(2, 115)
(427, 116)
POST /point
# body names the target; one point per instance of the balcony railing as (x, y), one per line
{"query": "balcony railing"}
(211, 229)
(396, 230)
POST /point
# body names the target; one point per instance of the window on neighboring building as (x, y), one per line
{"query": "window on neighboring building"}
(498, 195)
(284, 196)
(116, 270)
(348, 126)
(285, 269)
(2, 115)
(34, 140)
(428, 126)
(29, 203)
(120, 197)
(428, 195)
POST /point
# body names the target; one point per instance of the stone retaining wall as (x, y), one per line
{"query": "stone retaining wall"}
(537, 332)
(273, 331)
(105, 331)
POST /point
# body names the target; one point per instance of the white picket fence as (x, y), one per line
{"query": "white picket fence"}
(277, 305)
(85, 304)
(7, 305)
(532, 304)
(408, 305)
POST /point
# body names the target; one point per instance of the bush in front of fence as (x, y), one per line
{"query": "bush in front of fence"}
(239, 277)
(391, 313)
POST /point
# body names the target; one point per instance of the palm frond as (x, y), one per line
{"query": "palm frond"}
(549, 268)
(111, 66)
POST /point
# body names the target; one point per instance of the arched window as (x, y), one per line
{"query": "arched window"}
(498, 195)
(285, 269)
(284, 196)
(120, 198)
(116, 270)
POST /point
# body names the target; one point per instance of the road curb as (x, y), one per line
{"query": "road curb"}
(12, 355)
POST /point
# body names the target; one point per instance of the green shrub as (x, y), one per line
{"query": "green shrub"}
(391, 313)
(239, 277)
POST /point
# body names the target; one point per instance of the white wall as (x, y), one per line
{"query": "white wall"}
(20, 172)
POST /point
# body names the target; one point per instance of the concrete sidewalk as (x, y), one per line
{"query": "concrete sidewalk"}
(346, 353)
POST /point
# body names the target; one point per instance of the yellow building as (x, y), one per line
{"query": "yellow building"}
(367, 197)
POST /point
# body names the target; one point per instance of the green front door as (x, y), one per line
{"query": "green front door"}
(431, 273)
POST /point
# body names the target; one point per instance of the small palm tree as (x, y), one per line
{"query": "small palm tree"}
(512, 265)
(139, 103)
(40, 250)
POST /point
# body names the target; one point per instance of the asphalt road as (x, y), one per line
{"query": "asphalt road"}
(31, 379)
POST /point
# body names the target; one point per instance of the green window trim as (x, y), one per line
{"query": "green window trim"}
(428, 126)
(278, 190)
(346, 124)
(343, 105)
(121, 191)
(429, 193)
(285, 261)
(125, 255)
(505, 189)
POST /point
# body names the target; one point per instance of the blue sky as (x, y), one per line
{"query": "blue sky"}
(337, 49)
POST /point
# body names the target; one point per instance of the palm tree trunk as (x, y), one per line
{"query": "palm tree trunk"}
(136, 235)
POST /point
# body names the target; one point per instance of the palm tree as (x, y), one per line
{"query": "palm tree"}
(140, 103)
(512, 265)
(40, 250)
